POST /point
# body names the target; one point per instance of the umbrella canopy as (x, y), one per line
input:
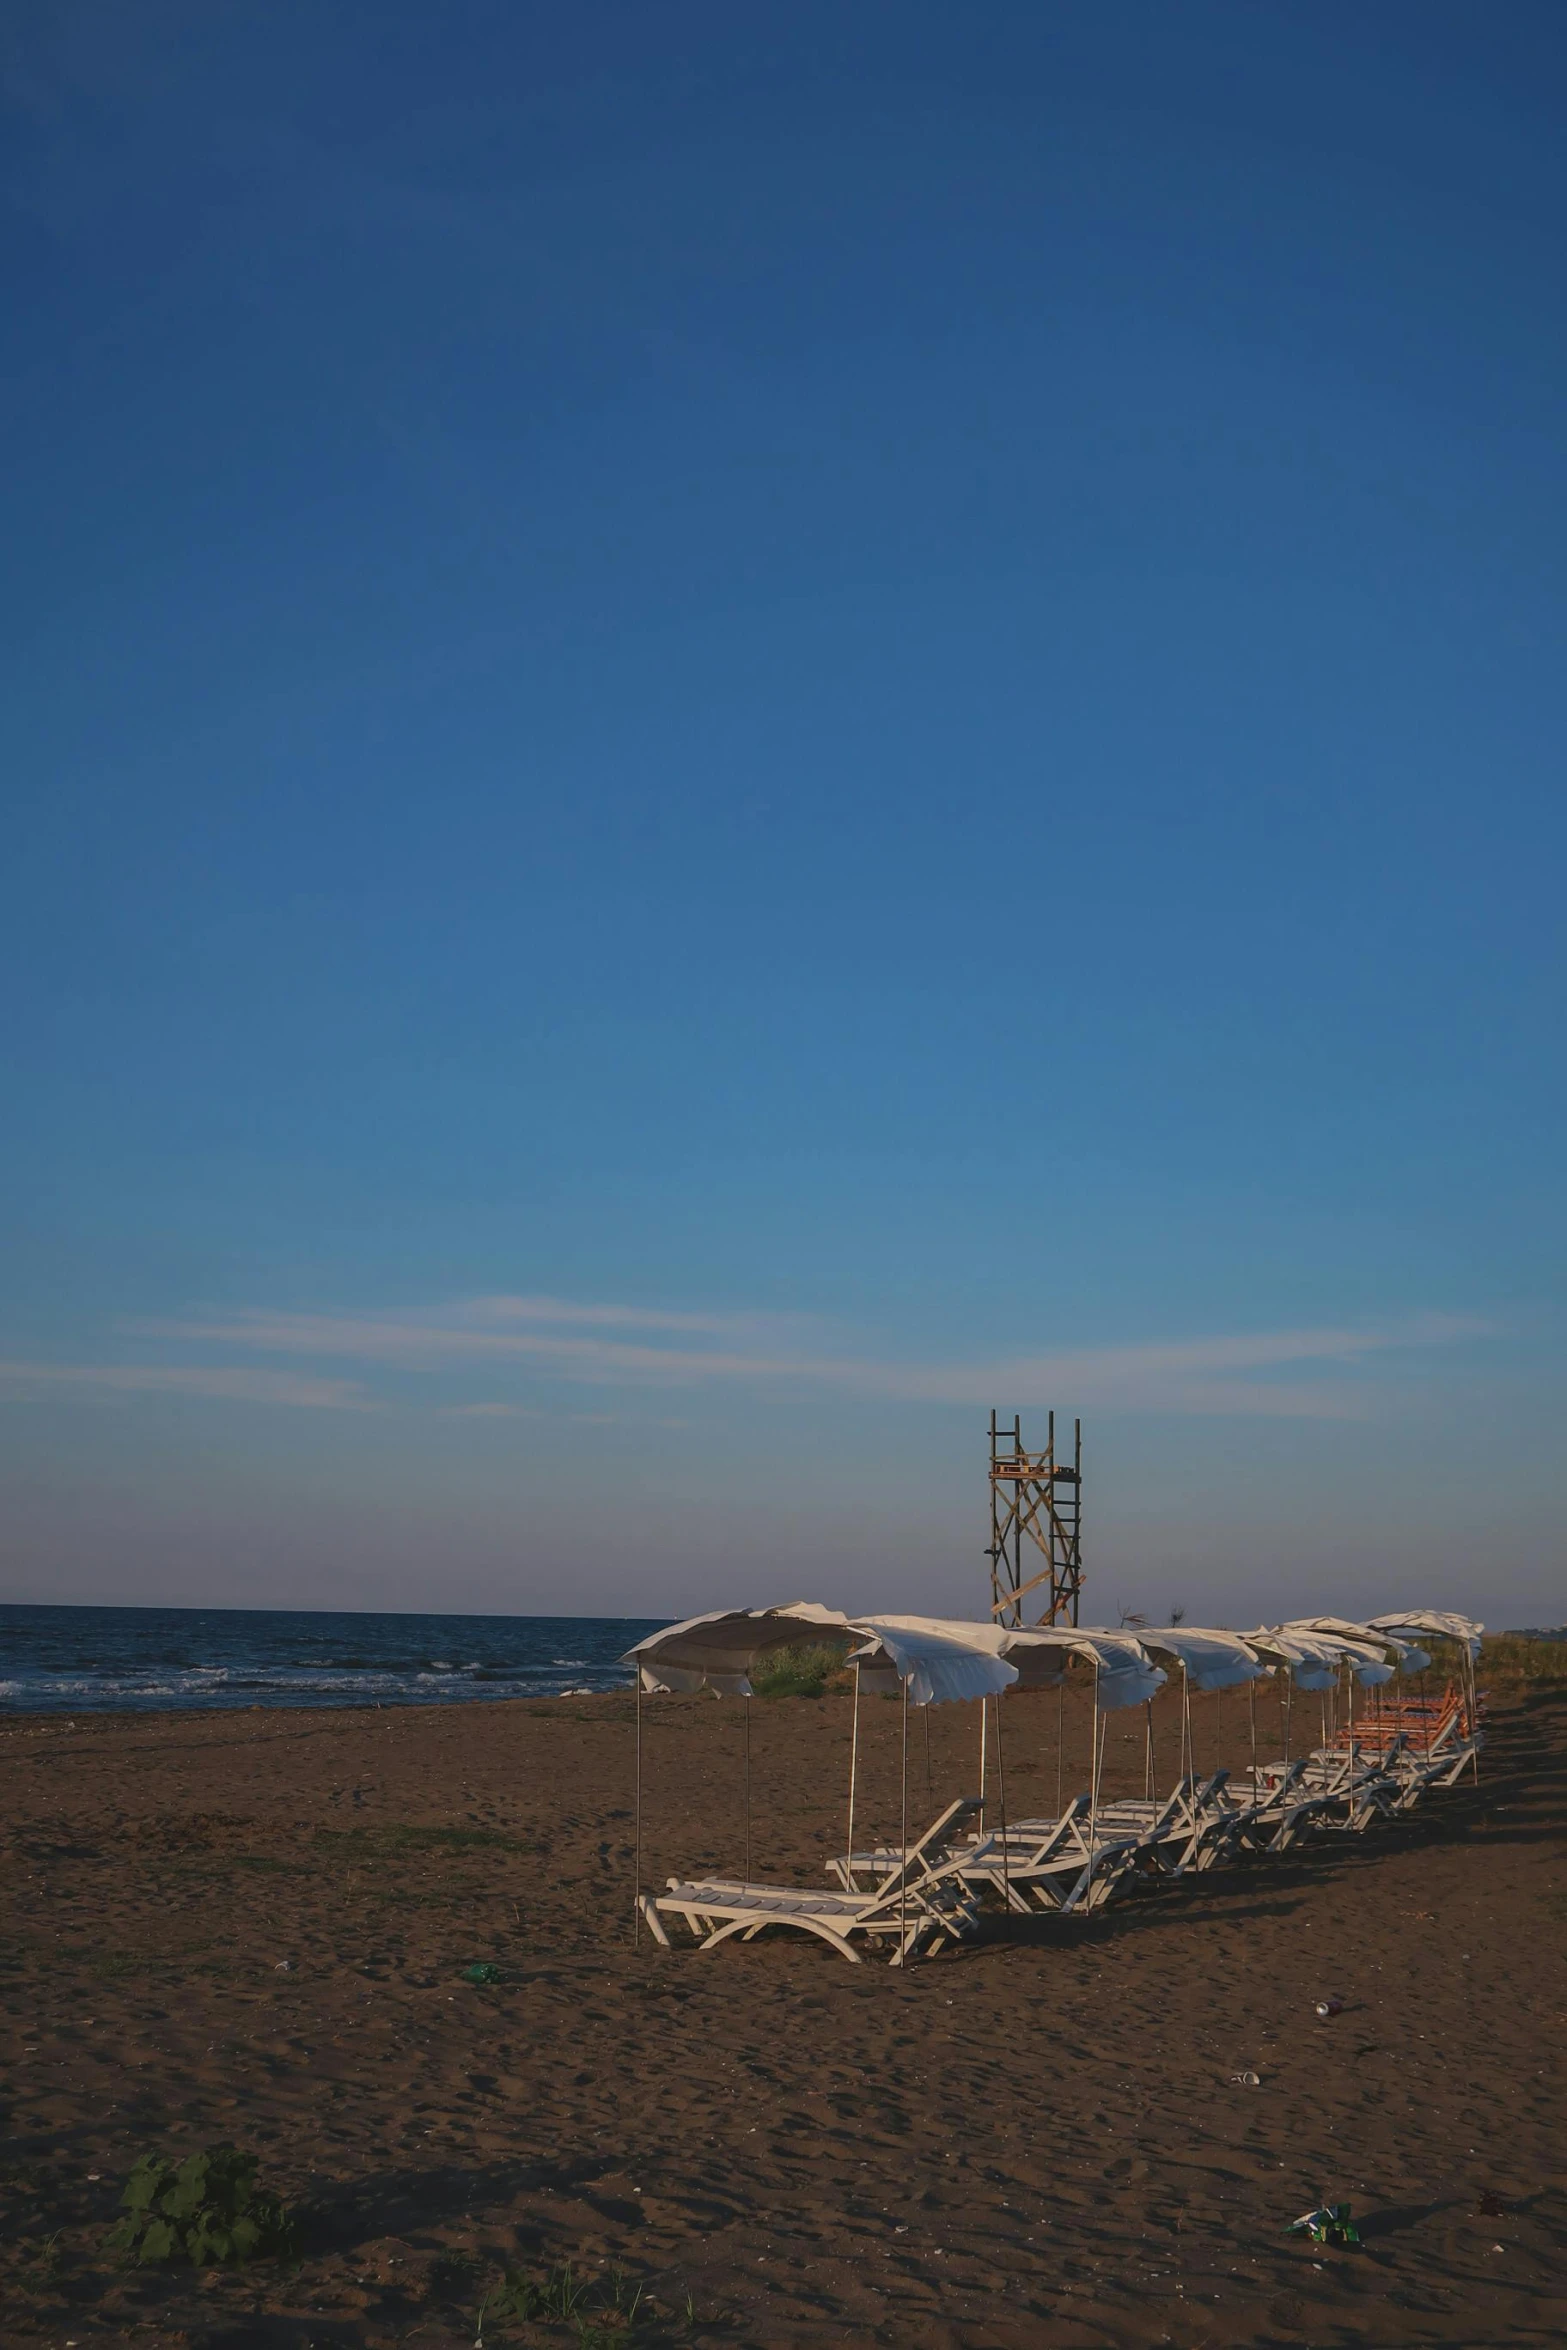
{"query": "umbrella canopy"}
(1212, 1659)
(717, 1651)
(1396, 1648)
(1311, 1660)
(1435, 1623)
(1373, 1657)
(1042, 1655)
(932, 1660)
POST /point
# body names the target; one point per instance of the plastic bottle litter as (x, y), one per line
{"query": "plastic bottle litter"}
(285, 1966)
(1246, 2080)
(483, 1971)
(1327, 2007)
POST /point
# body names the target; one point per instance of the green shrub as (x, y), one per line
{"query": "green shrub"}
(205, 2210)
(1509, 1657)
(804, 1670)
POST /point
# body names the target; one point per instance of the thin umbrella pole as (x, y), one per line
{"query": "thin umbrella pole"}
(748, 1791)
(1093, 1788)
(984, 1732)
(1060, 1737)
(1251, 1702)
(1001, 1785)
(903, 1874)
(1148, 1752)
(854, 1766)
(636, 1891)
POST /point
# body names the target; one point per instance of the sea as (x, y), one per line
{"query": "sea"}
(159, 1659)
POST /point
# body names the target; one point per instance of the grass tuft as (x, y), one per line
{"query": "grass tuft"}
(601, 2312)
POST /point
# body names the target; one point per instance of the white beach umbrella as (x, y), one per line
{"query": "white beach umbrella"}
(1434, 1623)
(1042, 1655)
(1311, 1662)
(931, 1660)
(717, 1651)
(1210, 1659)
(936, 1662)
(1372, 1657)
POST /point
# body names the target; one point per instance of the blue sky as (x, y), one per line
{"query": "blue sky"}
(729, 731)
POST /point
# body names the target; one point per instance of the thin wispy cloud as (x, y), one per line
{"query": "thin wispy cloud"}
(488, 1411)
(566, 1313)
(223, 1383)
(492, 1329)
(579, 1343)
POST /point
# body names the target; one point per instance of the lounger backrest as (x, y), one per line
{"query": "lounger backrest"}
(1173, 1808)
(934, 1845)
(1061, 1831)
(923, 1859)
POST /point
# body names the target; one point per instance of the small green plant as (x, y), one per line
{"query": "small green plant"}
(40, 2262)
(627, 2303)
(206, 2210)
(802, 1670)
(600, 2314)
(521, 2298)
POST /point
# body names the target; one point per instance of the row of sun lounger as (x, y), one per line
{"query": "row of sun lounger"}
(914, 1901)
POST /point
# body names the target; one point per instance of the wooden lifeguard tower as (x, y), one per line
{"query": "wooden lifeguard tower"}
(1035, 1495)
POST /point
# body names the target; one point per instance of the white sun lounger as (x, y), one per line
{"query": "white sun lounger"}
(1440, 1762)
(1274, 1810)
(919, 1904)
(1089, 1856)
(1082, 1860)
(1058, 1865)
(1193, 1828)
(1046, 1864)
(1354, 1789)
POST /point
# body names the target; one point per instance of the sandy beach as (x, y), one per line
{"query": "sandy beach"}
(253, 1927)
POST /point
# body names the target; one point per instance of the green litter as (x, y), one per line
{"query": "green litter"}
(484, 1970)
(1330, 2223)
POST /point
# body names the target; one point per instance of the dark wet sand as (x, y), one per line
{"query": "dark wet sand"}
(1033, 2142)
